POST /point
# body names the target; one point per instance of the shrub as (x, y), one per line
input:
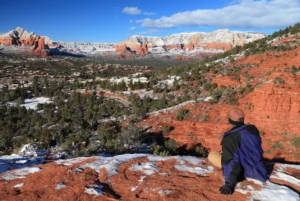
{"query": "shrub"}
(232, 100)
(182, 114)
(262, 133)
(206, 87)
(204, 117)
(277, 145)
(201, 151)
(131, 137)
(213, 86)
(296, 142)
(166, 129)
(171, 146)
(279, 80)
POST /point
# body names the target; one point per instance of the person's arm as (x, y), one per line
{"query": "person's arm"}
(231, 166)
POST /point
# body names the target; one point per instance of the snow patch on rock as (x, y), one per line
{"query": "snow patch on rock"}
(70, 162)
(59, 186)
(148, 168)
(95, 190)
(164, 192)
(19, 185)
(274, 192)
(20, 173)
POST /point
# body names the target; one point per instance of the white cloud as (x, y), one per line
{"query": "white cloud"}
(242, 14)
(132, 28)
(149, 13)
(150, 31)
(131, 10)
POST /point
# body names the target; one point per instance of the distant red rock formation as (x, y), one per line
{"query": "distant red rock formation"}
(21, 37)
(219, 46)
(40, 49)
(130, 50)
(189, 46)
(31, 41)
(7, 40)
(176, 46)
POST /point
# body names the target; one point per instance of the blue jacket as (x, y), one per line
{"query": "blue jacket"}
(242, 155)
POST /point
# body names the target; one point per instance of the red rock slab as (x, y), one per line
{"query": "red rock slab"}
(41, 185)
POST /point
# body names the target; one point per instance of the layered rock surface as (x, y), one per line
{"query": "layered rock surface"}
(141, 177)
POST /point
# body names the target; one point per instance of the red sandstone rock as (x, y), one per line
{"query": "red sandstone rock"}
(145, 49)
(7, 40)
(181, 58)
(130, 50)
(189, 46)
(40, 48)
(121, 47)
(163, 181)
(177, 46)
(219, 46)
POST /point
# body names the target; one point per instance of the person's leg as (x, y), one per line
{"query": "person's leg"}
(215, 159)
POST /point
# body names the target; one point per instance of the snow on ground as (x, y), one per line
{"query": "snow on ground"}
(164, 192)
(70, 162)
(148, 168)
(31, 150)
(11, 157)
(32, 103)
(285, 177)
(269, 191)
(273, 191)
(15, 161)
(111, 164)
(170, 81)
(179, 106)
(282, 167)
(170, 108)
(59, 186)
(19, 185)
(133, 188)
(183, 164)
(20, 173)
(205, 99)
(94, 190)
(197, 170)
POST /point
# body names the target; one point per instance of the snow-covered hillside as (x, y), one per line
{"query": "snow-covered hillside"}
(188, 44)
(88, 48)
(223, 36)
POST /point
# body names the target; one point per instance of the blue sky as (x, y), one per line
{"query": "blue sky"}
(116, 20)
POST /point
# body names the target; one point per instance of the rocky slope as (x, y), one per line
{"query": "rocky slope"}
(272, 102)
(141, 177)
(180, 46)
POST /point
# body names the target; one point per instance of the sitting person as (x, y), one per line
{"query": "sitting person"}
(241, 153)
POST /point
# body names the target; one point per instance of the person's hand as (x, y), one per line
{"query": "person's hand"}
(227, 189)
